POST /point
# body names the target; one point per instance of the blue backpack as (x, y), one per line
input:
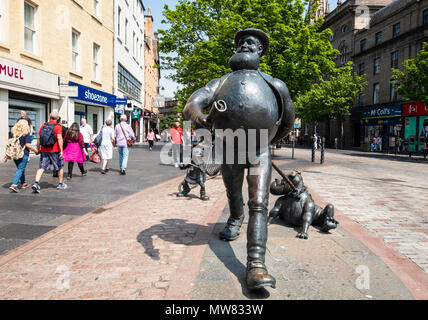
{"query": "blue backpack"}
(47, 135)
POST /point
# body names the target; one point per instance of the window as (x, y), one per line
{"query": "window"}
(29, 27)
(75, 50)
(393, 91)
(96, 51)
(376, 93)
(141, 53)
(128, 83)
(425, 16)
(395, 30)
(360, 100)
(376, 66)
(119, 13)
(361, 68)
(394, 60)
(126, 31)
(363, 45)
(133, 44)
(97, 7)
(344, 28)
(378, 38)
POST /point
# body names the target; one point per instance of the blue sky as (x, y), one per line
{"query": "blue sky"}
(156, 7)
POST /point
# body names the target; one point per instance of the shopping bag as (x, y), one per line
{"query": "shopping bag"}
(95, 158)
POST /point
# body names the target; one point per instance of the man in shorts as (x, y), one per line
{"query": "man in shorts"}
(51, 156)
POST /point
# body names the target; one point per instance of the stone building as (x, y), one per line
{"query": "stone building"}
(376, 35)
(152, 72)
(55, 55)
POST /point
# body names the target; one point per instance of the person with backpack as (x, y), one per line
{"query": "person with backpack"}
(18, 149)
(50, 146)
(64, 131)
(73, 151)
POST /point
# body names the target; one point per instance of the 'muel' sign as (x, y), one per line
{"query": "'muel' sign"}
(414, 109)
(11, 71)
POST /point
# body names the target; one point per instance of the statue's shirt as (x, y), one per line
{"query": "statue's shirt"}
(251, 103)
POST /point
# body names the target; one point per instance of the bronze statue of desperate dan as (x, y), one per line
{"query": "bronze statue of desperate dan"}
(247, 99)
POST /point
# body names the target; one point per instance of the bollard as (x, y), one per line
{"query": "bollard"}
(322, 150)
(313, 152)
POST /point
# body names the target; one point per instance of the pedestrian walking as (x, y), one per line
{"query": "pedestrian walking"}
(106, 147)
(87, 133)
(373, 144)
(21, 131)
(379, 143)
(124, 137)
(64, 131)
(150, 138)
(30, 124)
(50, 146)
(176, 133)
(314, 141)
(74, 150)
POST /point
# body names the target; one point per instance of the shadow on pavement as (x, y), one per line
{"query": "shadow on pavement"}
(178, 231)
(391, 157)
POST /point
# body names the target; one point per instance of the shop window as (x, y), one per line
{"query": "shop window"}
(376, 88)
(361, 68)
(393, 91)
(96, 52)
(97, 7)
(396, 30)
(394, 59)
(75, 36)
(378, 38)
(128, 83)
(363, 45)
(29, 27)
(376, 66)
(425, 16)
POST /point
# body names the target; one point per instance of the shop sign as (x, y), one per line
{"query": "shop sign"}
(414, 109)
(18, 77)
(118, 109)
(135, 114)
(93, 95)
(147, 115)
(382, 112)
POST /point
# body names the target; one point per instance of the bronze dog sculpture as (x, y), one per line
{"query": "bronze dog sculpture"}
(297, 208)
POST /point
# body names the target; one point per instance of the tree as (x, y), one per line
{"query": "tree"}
(199, 42)
(168, 121)
(331, 98)
(413, 80)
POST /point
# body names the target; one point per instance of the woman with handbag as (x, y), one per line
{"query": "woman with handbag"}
(124, 139)
(106, 147)
(74, 150)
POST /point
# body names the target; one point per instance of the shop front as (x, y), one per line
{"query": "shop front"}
(384, 123)
(23, 88)
(415, 126)
(93, 105)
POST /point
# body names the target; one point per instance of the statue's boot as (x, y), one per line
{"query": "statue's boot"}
(203, 196)
(186, 190)
(257, 274)
(329, 221)
(233, 226)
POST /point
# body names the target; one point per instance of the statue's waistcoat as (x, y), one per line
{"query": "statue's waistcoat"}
(250, 101)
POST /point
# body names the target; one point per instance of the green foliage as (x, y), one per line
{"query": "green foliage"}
(167, 121)
(331, 98)
(413, 79)
(199, 42)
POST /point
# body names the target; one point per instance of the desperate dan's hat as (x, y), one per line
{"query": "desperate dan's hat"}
(259, 34)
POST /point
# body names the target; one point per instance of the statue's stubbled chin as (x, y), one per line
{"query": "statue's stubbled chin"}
(244, 60)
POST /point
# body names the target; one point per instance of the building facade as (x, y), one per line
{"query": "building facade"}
(377, 35)
(55, 55)
(152, 72)
(128, 63)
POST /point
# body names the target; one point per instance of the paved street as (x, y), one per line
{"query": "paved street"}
(26, 216)
(153, 245)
